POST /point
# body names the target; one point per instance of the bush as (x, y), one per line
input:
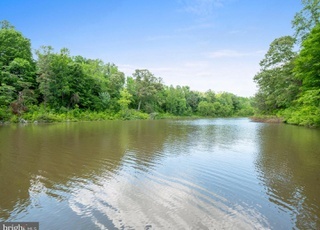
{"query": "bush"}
(306, 116)
(206, 109)
(132, 114)
(5, 114)
(306, 110)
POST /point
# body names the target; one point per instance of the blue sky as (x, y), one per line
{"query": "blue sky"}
(205, 44)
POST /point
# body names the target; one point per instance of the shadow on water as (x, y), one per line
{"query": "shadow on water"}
(288, 165)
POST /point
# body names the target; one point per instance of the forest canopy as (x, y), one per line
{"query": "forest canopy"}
(289, 80)
(50, 85)
(55, 86)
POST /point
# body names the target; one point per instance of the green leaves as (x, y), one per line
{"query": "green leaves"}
(7, 94)
(176, 102)
(13, 45)
(307, 65)
(225, 105)
(289, 83)
(306, 19)
(17, 70)
(59, 83)
(277, 85)
(280, 53)
(306, 109)
(147, 86)
(125, 99)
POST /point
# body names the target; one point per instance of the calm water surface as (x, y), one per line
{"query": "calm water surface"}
(189, 174)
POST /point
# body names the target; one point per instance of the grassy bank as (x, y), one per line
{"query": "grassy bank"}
(307, 119)
(47, 115)
(267, 119)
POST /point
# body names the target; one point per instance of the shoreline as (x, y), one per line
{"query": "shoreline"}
(50, 118)
(267, 119)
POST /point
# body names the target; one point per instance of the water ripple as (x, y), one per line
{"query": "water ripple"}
(191, 174)
(160, 201)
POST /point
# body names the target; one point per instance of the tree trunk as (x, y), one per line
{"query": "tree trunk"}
(139, 105)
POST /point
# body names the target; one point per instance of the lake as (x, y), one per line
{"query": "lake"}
(161, 174)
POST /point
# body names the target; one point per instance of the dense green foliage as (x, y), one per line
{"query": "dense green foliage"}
(277, 85)
(305, 20)
(289, 82)
(59, 87)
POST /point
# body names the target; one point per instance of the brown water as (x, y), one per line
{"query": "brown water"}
(190, 174)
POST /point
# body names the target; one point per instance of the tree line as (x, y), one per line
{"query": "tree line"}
(289, 80)
(58, 86)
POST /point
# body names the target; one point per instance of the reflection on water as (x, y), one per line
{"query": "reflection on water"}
(190, 174)
(289, 167)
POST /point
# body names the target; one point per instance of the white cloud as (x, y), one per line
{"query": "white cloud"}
(233, 54)
(195, 27)
(200, 7)
(234, 76)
